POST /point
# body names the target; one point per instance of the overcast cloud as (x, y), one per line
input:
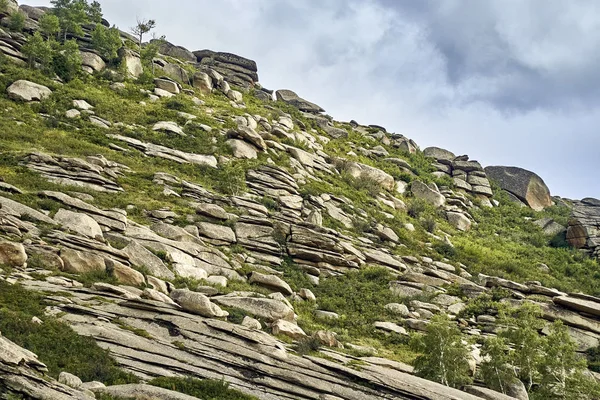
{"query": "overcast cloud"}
(508, 82)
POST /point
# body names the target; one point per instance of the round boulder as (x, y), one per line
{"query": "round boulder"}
(525, 185)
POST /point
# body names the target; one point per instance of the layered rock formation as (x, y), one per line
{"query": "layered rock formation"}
(468, 176)
(238, 70)
(583, 231)
(190, 226)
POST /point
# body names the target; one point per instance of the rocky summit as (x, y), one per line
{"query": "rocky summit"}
(171, 229)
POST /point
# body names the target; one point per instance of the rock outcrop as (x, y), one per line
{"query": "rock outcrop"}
(525, 185)
(235, 69)
(583, 231)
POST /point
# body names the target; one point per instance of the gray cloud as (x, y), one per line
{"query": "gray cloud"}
(513, 82)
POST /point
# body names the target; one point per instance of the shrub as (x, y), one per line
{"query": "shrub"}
(55, 343)
(16, 22)
(67, 60)
(107, 41)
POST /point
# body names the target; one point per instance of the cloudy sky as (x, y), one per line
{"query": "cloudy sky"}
(508, 82)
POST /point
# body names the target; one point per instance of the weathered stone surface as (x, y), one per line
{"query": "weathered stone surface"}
(459, 221)
(172, 50)
(12, 254)
(288, 96)
(269, 309)
(142, 392)
(242, 149)
(271, 281)
(251, 323)
(126, 275)
(583, 231)
(92, 60)
(217, 232)
(526, 185)
(398, 309)
(363, 171)
(439, 154)
(486, 393)
(139, 256)
(197, 303)
(202, 81)
(169, 127)
(76, 262)
(581, 305)
(69, 380)
(282, 327)
(249, 135)
(28, 91)
(168, 153)
(423, 191)
(390, 327)
(131, 61)
(168, 85)
(79, 223)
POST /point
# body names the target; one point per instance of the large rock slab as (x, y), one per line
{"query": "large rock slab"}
(291, 98)
(28, 91)
(439, 154)
(269, 309)
(79, 223)
(580, 305)
(525, 185)
(272, 282)
(197, 303)
(362, 171)
(583, 231)
(142, 392)
(422, 191)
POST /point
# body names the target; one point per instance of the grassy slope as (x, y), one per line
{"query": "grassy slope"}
(504, 242)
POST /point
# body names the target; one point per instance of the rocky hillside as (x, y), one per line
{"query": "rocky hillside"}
(170, 229)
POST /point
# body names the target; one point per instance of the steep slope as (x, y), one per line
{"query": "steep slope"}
(196, 224)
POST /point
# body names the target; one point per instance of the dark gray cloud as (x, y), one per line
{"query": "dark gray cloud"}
(523, 54)
(509, 82)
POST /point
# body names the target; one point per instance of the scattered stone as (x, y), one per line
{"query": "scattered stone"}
(390, 327)
(251, 323)
(398, 309)
(197, 303)
(69, 380)
(282, 327)
(28, 91)
(169, 127)
(12, 254)
(271, 281)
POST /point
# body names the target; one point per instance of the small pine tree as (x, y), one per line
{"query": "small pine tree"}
(496, 369)
(149, 52)
(107, 41)
(94, 12)
(49, 25)
(444, 355)
(72, 14)
(67, 62)
(16, 22)
(143, 26)
(37, 49)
